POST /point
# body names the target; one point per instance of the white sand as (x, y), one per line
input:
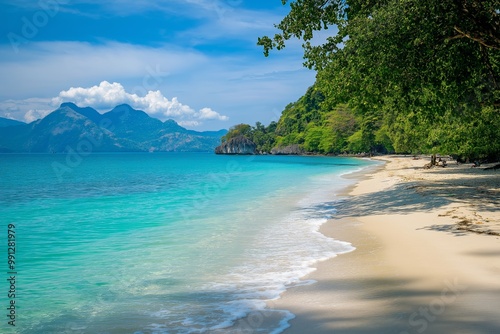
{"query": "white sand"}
(419, 267)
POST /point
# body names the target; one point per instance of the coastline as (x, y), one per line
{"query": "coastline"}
(424, 262)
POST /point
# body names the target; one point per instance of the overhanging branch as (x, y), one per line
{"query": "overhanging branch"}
(482, 41)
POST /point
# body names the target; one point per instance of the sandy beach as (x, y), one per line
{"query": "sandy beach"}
(427, 256)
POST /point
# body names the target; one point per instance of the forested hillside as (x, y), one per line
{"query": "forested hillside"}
(395, 75)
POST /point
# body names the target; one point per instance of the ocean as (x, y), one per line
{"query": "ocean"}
(161, 242)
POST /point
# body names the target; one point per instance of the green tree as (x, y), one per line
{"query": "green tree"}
(264, 137)
(342, 123)
(236, 131)
(313, 137)
(414, 70)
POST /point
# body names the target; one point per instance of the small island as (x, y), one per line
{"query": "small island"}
(237, 145)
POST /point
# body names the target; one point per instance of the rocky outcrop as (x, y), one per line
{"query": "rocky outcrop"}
(288, 150)
(237, 145)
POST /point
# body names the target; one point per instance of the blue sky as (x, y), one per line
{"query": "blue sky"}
(194, 61)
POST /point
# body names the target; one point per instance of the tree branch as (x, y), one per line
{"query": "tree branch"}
(479, 40)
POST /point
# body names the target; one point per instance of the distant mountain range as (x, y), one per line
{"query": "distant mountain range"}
(122, 129)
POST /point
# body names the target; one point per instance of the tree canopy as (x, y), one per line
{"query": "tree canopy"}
(416, 76)
(263, 137)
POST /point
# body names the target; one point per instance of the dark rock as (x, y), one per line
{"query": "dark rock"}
(288, 150)
(237, 145)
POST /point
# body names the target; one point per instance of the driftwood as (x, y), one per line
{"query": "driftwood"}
(435, 161)
(432, 163)
(428, 165)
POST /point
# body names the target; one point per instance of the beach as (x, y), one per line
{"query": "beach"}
(427, 256)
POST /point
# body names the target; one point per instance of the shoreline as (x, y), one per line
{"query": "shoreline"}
(418, 267)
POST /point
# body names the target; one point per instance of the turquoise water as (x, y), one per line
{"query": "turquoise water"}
(162, 243)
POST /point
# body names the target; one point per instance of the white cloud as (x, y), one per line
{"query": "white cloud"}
(155, 103)
(191, 124)
(124, 8)
(27, 110)
(207, 113)
(232, 23)
(105, 95)
(244, 87)
(58, 65)
(34, 114)
(108, 95)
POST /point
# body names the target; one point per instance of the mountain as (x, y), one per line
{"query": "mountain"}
(136, 124)
(88, 112)
(65, 128)
(4, 122)
(85, 130)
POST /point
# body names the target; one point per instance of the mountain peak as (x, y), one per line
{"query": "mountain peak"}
(88, 112)
(68, 104)
(122, 107)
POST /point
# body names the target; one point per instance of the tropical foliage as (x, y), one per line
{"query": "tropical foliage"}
(395, 75)
(264, 137)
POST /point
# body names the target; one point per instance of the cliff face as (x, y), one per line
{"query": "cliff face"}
(288, 150)
(237, 145)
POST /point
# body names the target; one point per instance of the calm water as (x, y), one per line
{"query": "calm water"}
(162, 243)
